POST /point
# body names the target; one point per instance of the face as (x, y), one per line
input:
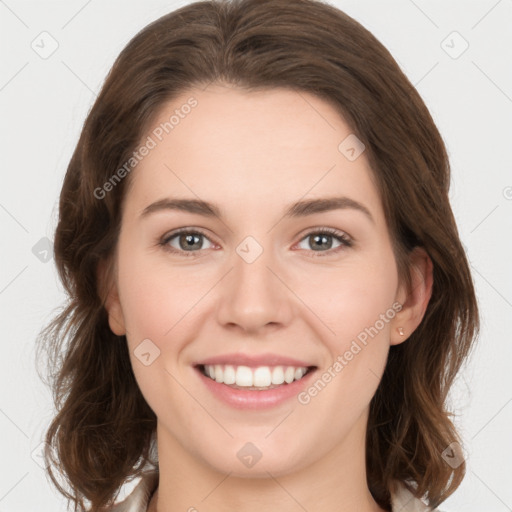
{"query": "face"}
(254, 290)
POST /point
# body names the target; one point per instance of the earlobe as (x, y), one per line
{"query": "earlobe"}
(415, 300)
(107, 287)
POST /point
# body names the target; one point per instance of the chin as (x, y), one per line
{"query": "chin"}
(256, 458)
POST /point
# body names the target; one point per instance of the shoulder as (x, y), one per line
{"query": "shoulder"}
(138, 499)
(402, 500)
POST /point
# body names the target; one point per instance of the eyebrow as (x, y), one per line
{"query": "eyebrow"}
(295, 210)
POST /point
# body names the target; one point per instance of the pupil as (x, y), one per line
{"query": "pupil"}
(322, 238)
(189, 240)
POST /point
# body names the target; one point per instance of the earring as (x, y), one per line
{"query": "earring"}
(400, 331)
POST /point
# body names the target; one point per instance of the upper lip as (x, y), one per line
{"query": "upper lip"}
(253, 360)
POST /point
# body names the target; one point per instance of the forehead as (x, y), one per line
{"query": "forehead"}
(259, 148)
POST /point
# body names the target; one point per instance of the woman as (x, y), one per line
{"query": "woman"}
(214, 348)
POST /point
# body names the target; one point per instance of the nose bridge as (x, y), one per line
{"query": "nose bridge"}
(254, 296)
(252, 264)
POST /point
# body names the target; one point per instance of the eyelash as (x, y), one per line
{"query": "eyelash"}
(345, 240)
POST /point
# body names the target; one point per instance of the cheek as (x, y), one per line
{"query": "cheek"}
(155, 294)
(356, 304)
(155, 298)
(352, 298)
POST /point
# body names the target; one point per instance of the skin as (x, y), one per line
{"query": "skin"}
(253, 154)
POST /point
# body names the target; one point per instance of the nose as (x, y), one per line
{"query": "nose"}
(255, 293)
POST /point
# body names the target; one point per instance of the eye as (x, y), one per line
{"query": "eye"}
(188, 240)
(322, 238)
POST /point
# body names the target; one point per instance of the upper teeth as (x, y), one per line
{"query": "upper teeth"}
(261, 376)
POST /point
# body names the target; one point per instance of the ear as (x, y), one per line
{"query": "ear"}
(415, 300)
(108, 290)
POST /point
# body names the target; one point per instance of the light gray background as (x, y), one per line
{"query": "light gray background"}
(44, 102)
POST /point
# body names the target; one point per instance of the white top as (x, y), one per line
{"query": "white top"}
(138, 499)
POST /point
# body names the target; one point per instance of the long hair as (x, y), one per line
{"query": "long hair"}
(100, 435)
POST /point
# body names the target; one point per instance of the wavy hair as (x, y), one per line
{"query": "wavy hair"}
(101, 433)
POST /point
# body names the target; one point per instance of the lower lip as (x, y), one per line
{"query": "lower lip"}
(255, 399)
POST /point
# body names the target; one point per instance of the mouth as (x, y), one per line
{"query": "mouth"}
(254, 387)
(254, 378)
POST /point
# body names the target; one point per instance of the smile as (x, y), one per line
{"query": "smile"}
(254, 388)
(259, 378)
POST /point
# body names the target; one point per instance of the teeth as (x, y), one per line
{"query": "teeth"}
(229, 375)
(260, 377)
(219, 373)
(244, 376)
(278, 375)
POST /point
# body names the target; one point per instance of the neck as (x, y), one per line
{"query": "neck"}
(336, 481)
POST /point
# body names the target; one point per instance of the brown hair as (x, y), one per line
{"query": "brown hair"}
(101, 433)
